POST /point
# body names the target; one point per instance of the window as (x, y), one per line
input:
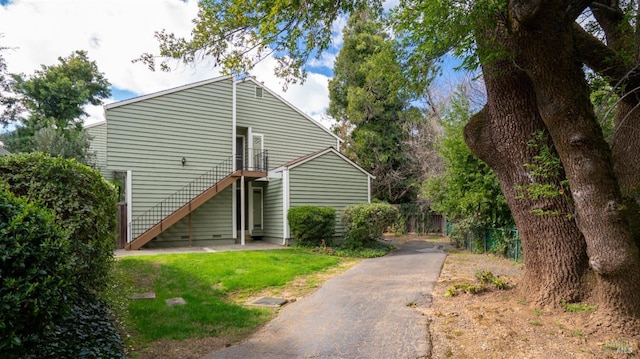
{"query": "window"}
(258, 92)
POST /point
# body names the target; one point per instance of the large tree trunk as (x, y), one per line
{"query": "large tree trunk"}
(554, 249)
(543, 37)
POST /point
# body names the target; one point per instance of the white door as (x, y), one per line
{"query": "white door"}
(256, 157)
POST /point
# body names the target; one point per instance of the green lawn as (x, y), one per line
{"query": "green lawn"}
(208, 282)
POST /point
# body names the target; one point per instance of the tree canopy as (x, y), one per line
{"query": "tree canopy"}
(368, 96)
(468, 189)
(47, 108)
(237, 34)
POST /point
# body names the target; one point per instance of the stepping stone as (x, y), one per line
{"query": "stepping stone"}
(175, 301)
(268, 302)
(148, 295)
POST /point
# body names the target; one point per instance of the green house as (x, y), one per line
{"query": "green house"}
(218, 162)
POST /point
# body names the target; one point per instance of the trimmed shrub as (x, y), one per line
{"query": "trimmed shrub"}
(83, 202)
(311, 224)
(365, 222)
(36, 275)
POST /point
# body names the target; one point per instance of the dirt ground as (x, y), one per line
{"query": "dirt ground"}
(500, 324)
(492, 324)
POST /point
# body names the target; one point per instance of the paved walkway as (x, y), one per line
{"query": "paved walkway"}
(367, 312)
(249, 246)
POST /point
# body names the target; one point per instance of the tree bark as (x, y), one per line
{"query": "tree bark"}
(554, 249)
(563, 103)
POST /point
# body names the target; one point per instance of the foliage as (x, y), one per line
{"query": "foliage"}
(239, 33)
(86, 332)
(365, 222)
(485, 280)
(465, 287)
(577, 307)
(83, 202)
(604, 99)
(368, 96)
(371, 249)
(619, 346)
(5, 83)
(208, 282)
(478, 239)
(36, 272)
(487, 277)
(545, 170)
(420, 212)
(468, 190)
(310, 225)
(53, 98)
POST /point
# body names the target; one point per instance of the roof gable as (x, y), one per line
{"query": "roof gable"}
(287, 103)
(311, 156)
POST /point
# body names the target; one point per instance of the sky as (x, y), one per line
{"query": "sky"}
(114, 32)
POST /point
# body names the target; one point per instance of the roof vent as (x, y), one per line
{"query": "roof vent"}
(258, 92)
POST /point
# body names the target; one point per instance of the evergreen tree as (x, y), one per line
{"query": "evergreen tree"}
(368, 97)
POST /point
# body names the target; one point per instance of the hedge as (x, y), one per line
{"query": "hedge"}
(82, 200)
(36, 275)
(365, 222)
(310, 224)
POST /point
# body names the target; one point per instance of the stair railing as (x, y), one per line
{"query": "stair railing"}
(189, 192)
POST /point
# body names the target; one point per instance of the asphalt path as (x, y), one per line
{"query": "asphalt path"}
(370, 311)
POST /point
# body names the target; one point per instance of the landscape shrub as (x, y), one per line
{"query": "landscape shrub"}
(36, 275)
(365, 222)
(310, 224)
(83, 202)
(86, 332)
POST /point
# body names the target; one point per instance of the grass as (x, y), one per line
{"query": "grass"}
(619, 346)
(578, 307)
(208, 283)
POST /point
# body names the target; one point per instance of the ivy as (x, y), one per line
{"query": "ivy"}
(546, 174)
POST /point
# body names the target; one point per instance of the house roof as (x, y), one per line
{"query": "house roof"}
(4, 152)
(311, 156)
(95, 124)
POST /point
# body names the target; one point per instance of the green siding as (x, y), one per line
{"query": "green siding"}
(273, 211)
(210, 224)
(151, 136)
(287, 133)
(330, 181)
(98, 145)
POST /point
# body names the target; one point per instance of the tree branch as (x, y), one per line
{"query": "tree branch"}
(603, 60)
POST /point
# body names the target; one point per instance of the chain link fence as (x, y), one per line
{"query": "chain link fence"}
(499, 241)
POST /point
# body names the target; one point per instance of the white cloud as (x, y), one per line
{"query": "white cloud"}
(115, 32)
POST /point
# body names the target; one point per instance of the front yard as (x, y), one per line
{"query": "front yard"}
(216, 288)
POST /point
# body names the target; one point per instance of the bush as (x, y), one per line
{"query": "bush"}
(311, 224)
(83, 202)
(86, 332)
(36, 275)
(367, 221)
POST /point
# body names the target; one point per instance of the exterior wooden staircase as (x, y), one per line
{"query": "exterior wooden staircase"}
(161, 217)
